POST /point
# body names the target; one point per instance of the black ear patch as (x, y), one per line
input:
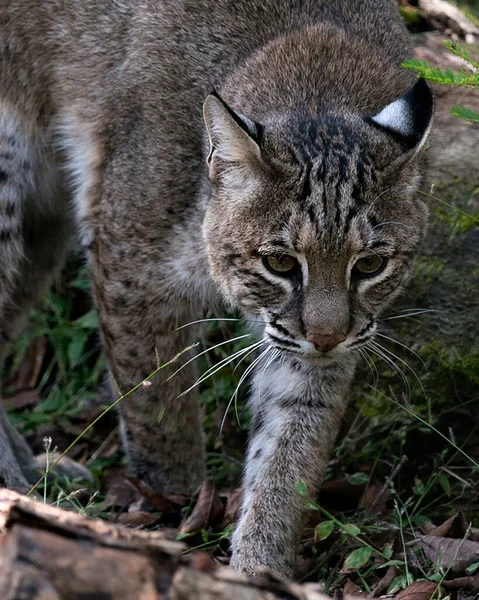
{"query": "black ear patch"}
(408, 119)
(252, 128)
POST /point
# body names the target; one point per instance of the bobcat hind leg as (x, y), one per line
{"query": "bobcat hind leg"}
(33, 242)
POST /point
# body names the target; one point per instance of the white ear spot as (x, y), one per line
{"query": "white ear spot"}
(396, 116)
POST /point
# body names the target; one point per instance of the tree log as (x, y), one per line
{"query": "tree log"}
(47, 553)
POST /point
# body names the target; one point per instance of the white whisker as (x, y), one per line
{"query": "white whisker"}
(393, 365)
(413, 313)
(240, 337)
(387, 223)
(266, 366)
(205, 321)
(406, 365)
(369, 362)
(242, 378)
(246, 355)
(218, 366)
(404, 346)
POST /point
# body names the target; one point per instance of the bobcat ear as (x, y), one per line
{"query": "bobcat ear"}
(233, 137)
(409, 118)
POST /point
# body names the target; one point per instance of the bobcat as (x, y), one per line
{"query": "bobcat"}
(255, 154)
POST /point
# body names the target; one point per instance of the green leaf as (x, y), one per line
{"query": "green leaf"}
(324, 529)
(301, 489)
(357, 559)
(398, 583)
(444, 483)
(465, 113)
(418, 488)
(88, 320)
(387, 551)
(76, 348)
(415, 64)
(351, 529)
(472, 568)
(420, 520)
(391, 563)
(358, 479)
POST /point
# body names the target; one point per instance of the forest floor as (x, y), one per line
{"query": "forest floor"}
(398, 514)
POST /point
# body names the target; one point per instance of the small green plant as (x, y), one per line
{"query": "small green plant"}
(469, 77)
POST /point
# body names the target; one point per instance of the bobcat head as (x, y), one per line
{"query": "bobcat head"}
(313, 222)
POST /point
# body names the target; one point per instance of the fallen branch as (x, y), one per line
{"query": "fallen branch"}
(48, 553)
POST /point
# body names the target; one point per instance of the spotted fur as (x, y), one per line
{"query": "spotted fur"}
(192, 142)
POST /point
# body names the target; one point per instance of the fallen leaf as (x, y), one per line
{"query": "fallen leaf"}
(470, 583)
(427, 527)
(455, 527)
(448, 552)
(28, 372)
(374, 499)
(22, 399)
(178, 499)
(352, 590)
(137, 519)
(208, 510)
(119, 491)
(233, 506)
(419, 590)
(202, 561)
(153, 498)
(384, 583)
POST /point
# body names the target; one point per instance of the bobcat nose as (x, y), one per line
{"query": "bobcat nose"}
(325, 342)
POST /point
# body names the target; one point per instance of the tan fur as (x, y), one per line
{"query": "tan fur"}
(101, 118)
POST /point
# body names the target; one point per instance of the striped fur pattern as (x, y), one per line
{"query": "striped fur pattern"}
(267, 196)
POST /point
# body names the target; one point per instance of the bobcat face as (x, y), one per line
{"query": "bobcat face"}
(313, 226)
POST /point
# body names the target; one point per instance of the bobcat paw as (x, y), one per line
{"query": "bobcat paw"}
(260, 566)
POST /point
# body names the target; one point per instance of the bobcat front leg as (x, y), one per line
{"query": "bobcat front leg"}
(160, 427)
(297, 410)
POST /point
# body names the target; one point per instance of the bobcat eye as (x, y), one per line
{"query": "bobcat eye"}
(280, 265)
(370, 266)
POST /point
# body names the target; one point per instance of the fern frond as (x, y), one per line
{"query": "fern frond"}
(468, 114)
(446, 77)
(458, 50)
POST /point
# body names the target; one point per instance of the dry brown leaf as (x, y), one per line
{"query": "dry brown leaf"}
(374, 498)
(233, 506)
(383, 584)
(427, 527)
(352, 590)
(420, 590)
(450, 553)
(137, 519)
(470, 583)
(119, 491)
(153, 498)
(208, 510)
(202, 561)
(179, 499)
(455, 527)
(28, 372)
(22, 399)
